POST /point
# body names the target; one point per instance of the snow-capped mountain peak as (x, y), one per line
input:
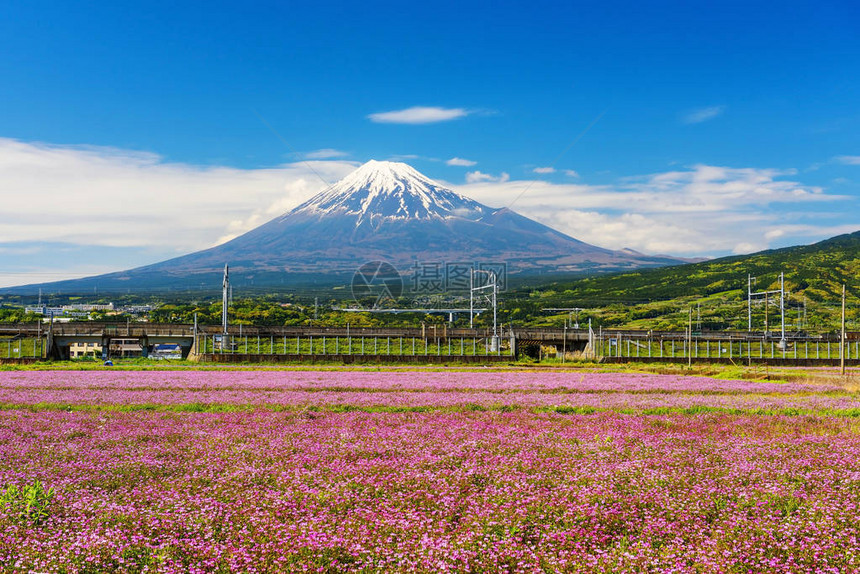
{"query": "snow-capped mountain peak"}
(390, 190)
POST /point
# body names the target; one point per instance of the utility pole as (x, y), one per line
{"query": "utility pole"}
(225, 285)
(781, 292)
(782, 342)
(471, 297)
(496, 343)
(842, 341)
(749, 303)
(690, 340)
(572, 320)
(591, 339)
(492, 298)
(564, 344)
(50, 348)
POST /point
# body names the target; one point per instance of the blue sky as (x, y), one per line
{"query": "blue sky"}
(715, 128)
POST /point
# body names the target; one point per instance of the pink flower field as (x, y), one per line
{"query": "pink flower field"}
(410, 390)
(424, 471)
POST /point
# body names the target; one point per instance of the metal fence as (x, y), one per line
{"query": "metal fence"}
(630, 346)
(22, 347)
(24, 342)
(349, 345)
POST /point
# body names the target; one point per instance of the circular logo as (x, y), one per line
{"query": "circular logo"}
(376, 281)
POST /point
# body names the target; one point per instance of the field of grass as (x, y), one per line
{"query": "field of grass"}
(429, 470)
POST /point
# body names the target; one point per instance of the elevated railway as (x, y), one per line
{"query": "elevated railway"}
(259, 343)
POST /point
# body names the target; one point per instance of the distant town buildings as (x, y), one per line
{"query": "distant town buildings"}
(125, 348)
(79, 350)
(166, 351)
(68, 310)
(83, 311)
(45, 310)
(137, 309)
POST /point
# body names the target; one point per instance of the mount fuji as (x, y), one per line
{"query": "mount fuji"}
(382, 211)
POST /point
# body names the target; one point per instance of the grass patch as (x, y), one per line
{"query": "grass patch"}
(464, 408)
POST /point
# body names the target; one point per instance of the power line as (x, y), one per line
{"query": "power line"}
(564, 151)
(289, 147)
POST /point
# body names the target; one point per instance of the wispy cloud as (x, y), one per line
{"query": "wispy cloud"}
(848, 159)
(419, 115)
(480, 177)
(407, 157)
(458, 161)
(544, 170)
(697, 211)
(703, 114)
(325, 153)
(571, 173)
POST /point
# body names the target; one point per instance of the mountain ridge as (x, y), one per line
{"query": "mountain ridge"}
(661, 298)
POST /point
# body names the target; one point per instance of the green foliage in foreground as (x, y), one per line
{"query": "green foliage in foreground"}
(29, 503)
(347, 408)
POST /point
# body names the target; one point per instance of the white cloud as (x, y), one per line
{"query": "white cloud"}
(480, 177)
(571, 173)
(409, 157)
(774, 233)
(127, 208)
(419, 115)
(744, 247)
(113, 197)
(698, 211)
(458, 161)
(325, 153)
(848, 159)
(703, 114)
(544, 170)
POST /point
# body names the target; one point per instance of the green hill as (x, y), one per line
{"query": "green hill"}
(715, 289)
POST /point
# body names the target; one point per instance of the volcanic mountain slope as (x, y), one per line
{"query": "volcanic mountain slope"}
(382, 211)
(388, 210)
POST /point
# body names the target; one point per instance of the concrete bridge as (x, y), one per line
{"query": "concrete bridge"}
(55, 341)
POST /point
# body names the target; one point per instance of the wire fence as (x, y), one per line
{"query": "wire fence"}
(611, 345)
(22, 347)
(633, 347)
(349, 345)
